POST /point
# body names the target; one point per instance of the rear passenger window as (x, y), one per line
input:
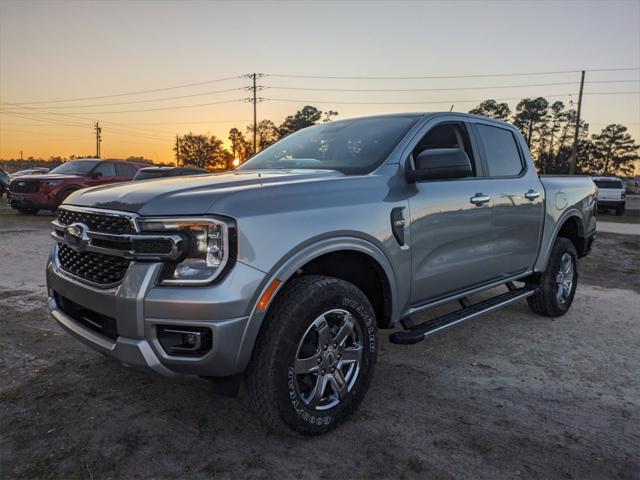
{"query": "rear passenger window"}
(125, 170)
(106, 169)
(502, 151)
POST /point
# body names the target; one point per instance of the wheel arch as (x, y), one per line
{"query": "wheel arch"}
(331, 257)
(570, 226)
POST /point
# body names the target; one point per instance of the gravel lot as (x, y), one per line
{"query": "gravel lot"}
(511, 395)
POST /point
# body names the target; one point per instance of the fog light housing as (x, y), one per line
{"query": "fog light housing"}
(179, 340)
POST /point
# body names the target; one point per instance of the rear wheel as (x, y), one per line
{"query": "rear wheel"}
(315, 356)
(558, 283)
(620, 211)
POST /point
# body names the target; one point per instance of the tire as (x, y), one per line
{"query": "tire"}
(291, 339)
(556, 289)
(28, 211)
(620, 211)
(63, 195)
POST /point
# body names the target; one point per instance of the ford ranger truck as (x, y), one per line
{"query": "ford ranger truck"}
(29, 194)
(283, 271)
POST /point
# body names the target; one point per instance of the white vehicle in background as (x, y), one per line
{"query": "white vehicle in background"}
(611, 194)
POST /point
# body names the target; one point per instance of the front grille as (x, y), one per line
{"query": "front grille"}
(93, 320)
(93, 267)
(24, 186)
(97, 222)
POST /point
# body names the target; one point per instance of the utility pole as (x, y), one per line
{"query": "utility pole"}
(98, 138)
(574, 151)
(254, 99)
(21, 155)
(255, 114)
(177, 151)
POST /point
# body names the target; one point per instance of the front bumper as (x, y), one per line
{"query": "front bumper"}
(31, 200)
(139, 307)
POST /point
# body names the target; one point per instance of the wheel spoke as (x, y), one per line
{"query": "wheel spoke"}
(324, 334)
(339, 384)
(317, 394)
(307, 365)
(345, 329)
(351, 355)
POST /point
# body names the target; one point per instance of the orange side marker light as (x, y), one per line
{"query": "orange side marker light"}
(268, 293)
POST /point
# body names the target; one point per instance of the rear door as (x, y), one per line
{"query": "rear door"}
(125, 171)
(517, 194)
(103, 173)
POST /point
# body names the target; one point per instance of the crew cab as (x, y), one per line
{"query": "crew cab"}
(30, 193)
(282, 271)
(611, 194)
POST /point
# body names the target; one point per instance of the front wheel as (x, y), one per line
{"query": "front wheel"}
(558, 282)
(315, 356)
(620, 211)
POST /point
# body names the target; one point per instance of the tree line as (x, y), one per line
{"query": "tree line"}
(549, 131)
(209, 151)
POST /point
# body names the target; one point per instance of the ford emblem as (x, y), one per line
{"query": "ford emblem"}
(75, 235)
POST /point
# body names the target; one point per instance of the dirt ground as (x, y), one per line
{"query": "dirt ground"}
(511, 395)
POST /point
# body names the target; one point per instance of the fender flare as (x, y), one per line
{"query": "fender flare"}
(543, 258)
(291, 264)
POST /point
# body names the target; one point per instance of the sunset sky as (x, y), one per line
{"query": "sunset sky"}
(56, 50)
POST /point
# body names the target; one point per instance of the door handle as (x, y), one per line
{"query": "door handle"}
(479, 199)
(531, 195)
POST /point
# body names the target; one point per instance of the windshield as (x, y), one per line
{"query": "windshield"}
(349, 146)
(608, 183)
(147, 174)
(76, 167)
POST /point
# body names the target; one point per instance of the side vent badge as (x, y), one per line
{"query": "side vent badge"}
(397, 224)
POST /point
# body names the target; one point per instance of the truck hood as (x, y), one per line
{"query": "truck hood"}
(190, 195)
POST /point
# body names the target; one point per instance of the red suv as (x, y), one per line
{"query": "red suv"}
(30, 193)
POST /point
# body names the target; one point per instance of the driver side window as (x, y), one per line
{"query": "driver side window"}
(447, 135)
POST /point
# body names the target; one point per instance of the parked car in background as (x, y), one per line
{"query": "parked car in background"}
(283, 270)
(30, 171)
(631, 185)
(4, 182)
(611, 194)
(30, 193)
(162, 172)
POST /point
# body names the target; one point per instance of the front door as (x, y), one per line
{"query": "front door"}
(451, 222)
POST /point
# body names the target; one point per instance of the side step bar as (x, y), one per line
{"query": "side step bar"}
(418, 333)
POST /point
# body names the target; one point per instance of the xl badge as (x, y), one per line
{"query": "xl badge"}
(76, 236)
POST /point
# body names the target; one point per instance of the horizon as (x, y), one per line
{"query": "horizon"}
(109, 50)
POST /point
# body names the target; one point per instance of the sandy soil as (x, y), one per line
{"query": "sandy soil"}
(511, 395)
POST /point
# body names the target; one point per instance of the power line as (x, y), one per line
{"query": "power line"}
(177, 107)
(151, 100)
(392, 90)
(430, 77)
(318, 101)
(138, 92)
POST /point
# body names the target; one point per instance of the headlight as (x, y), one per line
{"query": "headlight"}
(209, 248)
(51, 182)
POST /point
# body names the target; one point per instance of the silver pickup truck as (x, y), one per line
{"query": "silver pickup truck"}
(282, 271)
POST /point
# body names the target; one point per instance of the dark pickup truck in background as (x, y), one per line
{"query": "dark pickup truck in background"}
(30, 193)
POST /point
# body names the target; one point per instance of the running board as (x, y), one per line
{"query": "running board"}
(419, 332)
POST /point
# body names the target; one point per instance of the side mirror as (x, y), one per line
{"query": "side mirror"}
(96, 175)
(440, 164)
